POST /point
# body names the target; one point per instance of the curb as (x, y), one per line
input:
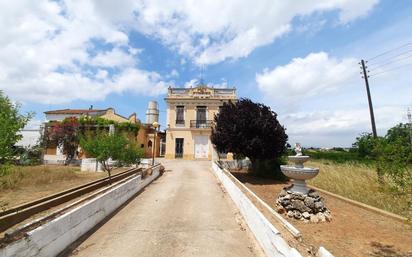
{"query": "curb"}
(289, 227)
(269, 238)
(56, 235)
(364, 206)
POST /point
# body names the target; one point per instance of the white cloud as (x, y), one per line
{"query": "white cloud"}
(212, 31)
(306, 77)
(173, 74)
(113, 58)
(195, 83)
(51, 52)
(338, 127)
(58, 51)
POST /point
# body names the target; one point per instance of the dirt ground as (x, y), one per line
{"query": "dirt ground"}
(26, 191)
(353, 231)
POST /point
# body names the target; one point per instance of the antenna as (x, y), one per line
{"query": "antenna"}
(202, 70)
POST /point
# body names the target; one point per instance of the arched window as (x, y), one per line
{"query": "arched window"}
(149, 144)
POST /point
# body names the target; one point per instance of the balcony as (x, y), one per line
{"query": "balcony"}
(201, 124)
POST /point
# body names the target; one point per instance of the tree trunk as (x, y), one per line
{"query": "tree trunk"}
(110, 176)
(380, 176)
(106, 167)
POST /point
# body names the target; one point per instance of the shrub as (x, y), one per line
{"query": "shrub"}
(269, 169)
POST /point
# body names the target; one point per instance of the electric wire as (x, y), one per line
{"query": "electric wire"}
(389, 51)
(395, 57)
(390, 62)
(385, 71)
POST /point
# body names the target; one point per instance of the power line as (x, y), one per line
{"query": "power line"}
(401, 66)
(389, 59)
(391, 50)
(393, 61)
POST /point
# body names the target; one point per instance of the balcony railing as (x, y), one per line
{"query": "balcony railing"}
(201, 123)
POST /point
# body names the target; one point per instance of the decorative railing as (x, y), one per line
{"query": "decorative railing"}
(201, 124)
(180, 122)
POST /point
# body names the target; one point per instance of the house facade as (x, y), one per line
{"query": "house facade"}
(190, 114)
(145, 136)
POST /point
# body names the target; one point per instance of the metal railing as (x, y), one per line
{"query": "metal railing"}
(180, 122)
(201, 123)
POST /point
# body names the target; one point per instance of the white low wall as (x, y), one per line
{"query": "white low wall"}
(266, 234)
(55, 236)
(91, 165)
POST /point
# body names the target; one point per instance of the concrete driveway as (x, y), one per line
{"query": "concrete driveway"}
(183, 213)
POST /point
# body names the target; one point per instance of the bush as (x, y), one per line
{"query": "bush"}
(30, 156)
(392, 158)
(9, 177)
(269, 169)
(336, 156)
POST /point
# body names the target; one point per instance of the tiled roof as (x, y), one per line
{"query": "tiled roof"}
(74, 111)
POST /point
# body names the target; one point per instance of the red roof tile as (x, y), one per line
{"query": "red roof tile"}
(74, 111)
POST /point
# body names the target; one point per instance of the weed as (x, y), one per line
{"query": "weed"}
(360, 182)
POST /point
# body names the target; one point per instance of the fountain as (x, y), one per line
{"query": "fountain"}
(298, 172)
(297, 201)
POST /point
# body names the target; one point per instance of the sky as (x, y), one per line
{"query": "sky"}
(298, 57)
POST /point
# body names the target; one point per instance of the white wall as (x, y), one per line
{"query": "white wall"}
(30, 137)
(266, 234)
(60, 117)
(55, 236)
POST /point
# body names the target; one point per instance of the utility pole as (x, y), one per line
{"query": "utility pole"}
(410, 125)
(365, 76)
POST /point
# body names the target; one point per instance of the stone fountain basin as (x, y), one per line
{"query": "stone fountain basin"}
(299, 173)
(298, 159)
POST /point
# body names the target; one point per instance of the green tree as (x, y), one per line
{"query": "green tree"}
(250, 129)
(401, 134)
(393, 156)
(105, 147)
(364, 145)
(11, 122)
(392, 159)
(66, 134)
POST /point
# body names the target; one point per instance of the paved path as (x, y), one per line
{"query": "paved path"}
(183, 213)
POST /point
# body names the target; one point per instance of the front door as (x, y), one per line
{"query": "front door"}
(201, 147)
(179, 148)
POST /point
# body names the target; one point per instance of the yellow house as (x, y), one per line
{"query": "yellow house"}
(144, 137)
(190, 113)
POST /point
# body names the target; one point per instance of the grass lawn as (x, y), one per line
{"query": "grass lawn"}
(360, 182)
(26, 183)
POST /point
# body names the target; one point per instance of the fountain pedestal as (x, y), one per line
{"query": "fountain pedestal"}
(297, 201)
(299, 173)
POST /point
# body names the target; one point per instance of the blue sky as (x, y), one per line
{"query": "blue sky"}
(298, 57)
